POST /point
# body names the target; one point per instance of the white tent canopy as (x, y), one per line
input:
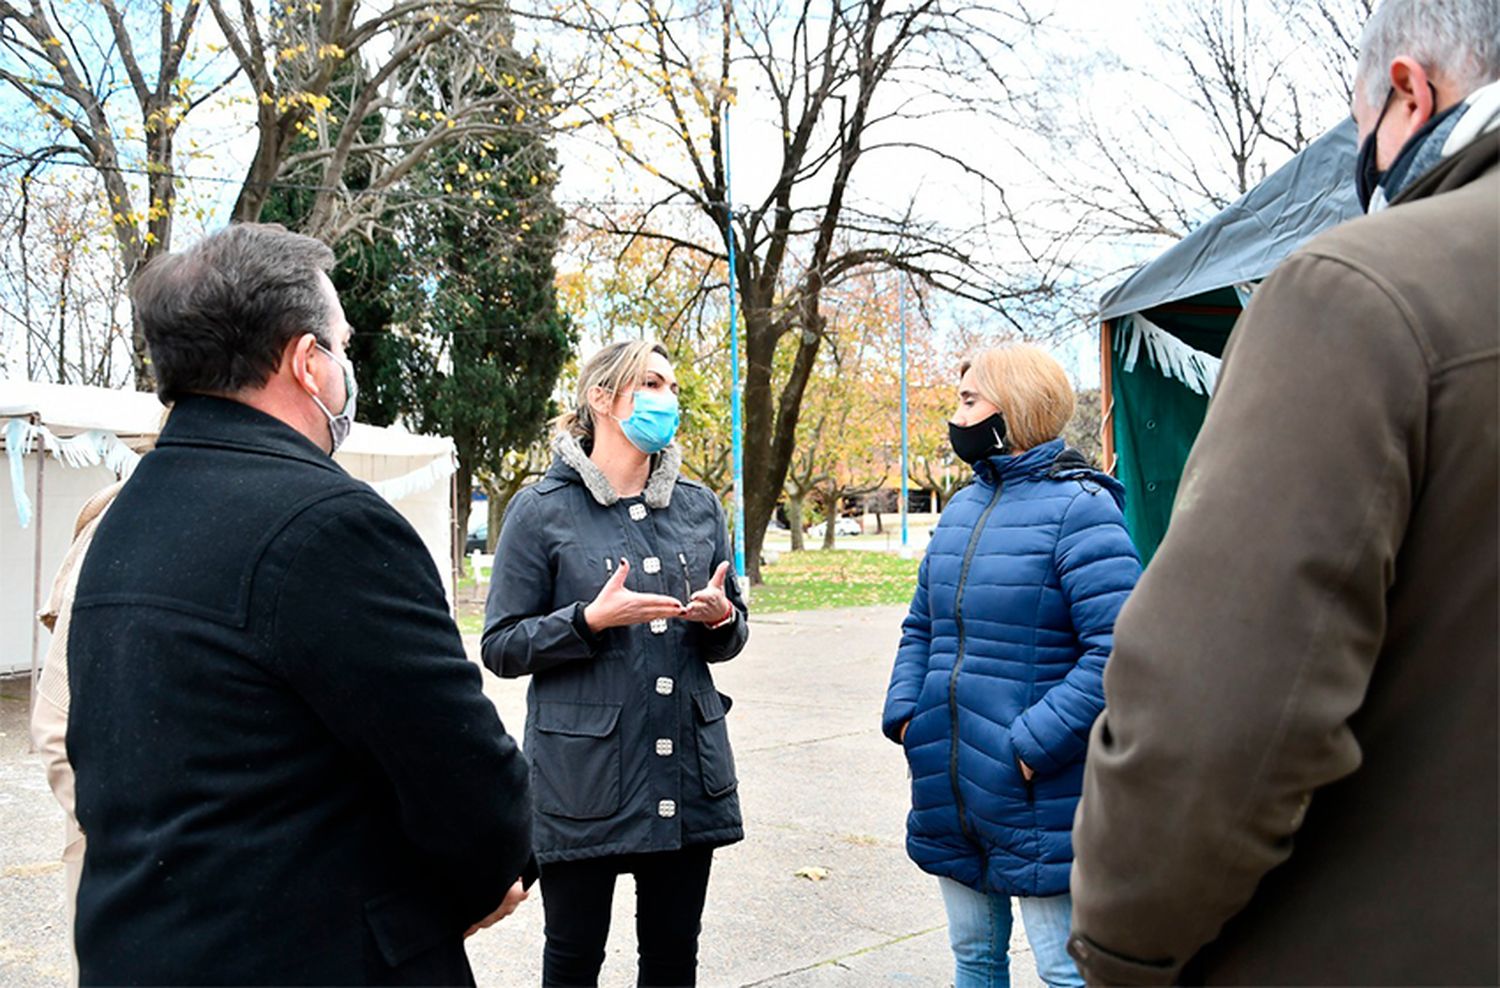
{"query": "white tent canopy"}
(59, 444)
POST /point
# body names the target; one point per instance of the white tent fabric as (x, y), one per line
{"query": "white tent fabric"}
(1168, 354)
(70, 441)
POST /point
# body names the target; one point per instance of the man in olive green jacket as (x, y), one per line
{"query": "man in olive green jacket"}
(1295, 777)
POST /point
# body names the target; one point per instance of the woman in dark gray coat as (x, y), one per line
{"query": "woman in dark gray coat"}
(610, 590)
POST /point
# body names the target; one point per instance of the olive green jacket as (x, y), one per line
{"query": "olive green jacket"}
(1295, 776)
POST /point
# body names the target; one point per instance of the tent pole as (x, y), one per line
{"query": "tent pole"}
(455, 547)
(36, 582)
(1107, 395)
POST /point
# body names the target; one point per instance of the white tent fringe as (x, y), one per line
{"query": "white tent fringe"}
(419, 480)
(1199, 371)
(96, 447)
(87, 449)
(92, 448)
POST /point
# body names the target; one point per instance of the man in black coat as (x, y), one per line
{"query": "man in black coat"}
(286, 768)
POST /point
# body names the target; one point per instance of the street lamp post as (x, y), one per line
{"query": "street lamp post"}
(905, 446)
(736, 424)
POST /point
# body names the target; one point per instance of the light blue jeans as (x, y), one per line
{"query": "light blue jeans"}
(979, 932)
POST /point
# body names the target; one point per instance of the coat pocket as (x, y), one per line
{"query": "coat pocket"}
(715, 760)
(576, 764)
(405, 927)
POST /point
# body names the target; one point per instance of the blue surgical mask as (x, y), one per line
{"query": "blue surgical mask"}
(653, 424)
(340, 424)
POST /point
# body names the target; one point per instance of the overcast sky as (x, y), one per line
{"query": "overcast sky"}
(1074, 28)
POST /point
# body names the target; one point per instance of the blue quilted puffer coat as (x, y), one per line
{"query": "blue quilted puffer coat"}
(1002, 657)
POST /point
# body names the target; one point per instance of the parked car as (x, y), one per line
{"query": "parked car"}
(479, 537)
(844, 526)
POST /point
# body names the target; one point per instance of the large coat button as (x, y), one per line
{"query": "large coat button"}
(664, 685)
(666, 808)
(651, 564)
(659, 626)
(664, 746)
(637, 512)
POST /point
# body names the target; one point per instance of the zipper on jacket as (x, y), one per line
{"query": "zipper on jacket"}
(958, 660)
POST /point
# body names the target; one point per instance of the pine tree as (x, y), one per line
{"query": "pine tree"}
(495, 339)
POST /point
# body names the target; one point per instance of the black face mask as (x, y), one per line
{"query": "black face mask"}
(1367, 174)
(1368, 177)
(975, 442)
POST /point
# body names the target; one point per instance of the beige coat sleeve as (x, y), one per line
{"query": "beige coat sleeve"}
(1251, 638)
(49, 718)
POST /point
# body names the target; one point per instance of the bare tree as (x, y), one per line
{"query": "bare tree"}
(62, 291)
(849, 84)
(520, 468)
(321, 65)
(1233, 89)
(804, 476)
(1330, 31)
(69, 70)
(306, 69)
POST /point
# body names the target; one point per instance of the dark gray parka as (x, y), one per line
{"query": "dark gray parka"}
(624, 729)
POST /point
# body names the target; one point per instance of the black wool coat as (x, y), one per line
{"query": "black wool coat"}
(625, 730)
(286, 769)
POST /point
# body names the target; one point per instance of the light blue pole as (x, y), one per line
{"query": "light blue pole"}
(905, 448)
(735, 422)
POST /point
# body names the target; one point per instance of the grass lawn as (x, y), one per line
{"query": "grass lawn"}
(798, 581)
(815, 578)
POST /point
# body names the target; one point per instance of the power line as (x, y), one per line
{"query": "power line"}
(284, 186)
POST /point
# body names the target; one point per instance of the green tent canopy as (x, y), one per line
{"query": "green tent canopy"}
(1165, 327)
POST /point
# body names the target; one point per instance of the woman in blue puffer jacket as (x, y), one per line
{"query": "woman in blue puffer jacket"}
(999, 674)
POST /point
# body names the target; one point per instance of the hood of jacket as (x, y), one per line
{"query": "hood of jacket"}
(1054, 460)
(571, 463)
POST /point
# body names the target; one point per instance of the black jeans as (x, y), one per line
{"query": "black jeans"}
(670, 888)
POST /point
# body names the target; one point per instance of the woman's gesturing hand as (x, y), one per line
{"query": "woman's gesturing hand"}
(711, 605)
(616, 607)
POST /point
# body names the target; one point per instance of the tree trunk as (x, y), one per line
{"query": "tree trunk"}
(770, 418)
(831, 503)
(62, 321)
(464, 477)
(759, 405)
(498, 503)
(794, 522)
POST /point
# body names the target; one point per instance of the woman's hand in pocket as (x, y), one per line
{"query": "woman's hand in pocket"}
(616, 606)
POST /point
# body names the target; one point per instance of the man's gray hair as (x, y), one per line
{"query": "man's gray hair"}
(1457, 39)
(218, 315)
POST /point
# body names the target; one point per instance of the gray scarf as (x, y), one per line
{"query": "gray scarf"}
(1459, 126)
(659, 486)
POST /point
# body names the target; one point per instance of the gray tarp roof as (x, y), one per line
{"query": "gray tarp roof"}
(1307, 195)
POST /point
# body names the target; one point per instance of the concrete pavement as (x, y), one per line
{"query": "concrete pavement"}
(819, 785)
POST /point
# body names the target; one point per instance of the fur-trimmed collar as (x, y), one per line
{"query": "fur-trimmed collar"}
(658, 492)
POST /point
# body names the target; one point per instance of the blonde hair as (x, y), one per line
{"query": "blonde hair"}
(614, 369)
(1028, 386)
